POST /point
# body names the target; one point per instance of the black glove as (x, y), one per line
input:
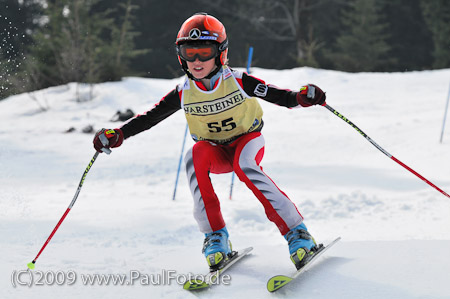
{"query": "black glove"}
(106, 139)
(310, 95)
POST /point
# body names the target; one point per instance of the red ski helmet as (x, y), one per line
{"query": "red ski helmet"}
(203, 28)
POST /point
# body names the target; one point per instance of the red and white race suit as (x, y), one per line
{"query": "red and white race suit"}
(225, 122)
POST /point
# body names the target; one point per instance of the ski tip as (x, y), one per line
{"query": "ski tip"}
(277, 282)
(195, 284)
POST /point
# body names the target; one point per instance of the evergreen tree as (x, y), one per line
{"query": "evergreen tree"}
(82, 43)
(410, 40)
(121, 38)
(437, 16)
(96, 40)
(18, 22)
(159, 22)
(69, 47)
(328, 31)
(363, 45)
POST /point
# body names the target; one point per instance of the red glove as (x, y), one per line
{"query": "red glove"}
(106, 139)
(310, 95)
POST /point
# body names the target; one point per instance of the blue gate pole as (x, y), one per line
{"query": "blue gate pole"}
(249, 60)
(445, 114)
(179, 162)
(249, 63)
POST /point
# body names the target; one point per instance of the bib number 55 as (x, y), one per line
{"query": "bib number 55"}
(225, 125)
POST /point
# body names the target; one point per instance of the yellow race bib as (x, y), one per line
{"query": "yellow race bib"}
(221, 114)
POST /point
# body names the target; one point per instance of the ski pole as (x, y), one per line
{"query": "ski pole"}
(32, 264)
(249, 63)
(179, 163)
(445, 115)
(382, 150)
(231, 185)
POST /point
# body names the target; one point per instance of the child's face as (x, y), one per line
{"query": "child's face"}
(201, 69)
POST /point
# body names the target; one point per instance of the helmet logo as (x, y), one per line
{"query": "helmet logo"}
(195, 33)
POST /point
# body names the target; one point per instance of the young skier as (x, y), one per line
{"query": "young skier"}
(225, 121)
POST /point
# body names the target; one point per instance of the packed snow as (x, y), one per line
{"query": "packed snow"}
(395, 228)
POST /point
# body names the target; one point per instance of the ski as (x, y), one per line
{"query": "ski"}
(279, 281)
(210, 278)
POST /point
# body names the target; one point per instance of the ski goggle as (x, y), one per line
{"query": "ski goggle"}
(202, 52)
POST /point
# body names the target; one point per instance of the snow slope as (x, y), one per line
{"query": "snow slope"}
(395, 229)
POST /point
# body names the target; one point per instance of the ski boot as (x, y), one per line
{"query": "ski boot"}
(217, 249)
(301, 245)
